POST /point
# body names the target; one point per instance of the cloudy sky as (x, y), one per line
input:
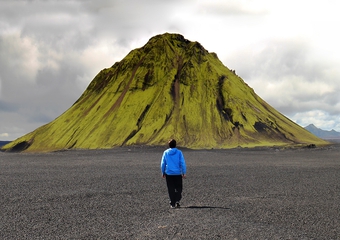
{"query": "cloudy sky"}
(287, 50)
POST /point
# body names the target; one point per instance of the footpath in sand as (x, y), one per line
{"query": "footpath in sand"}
(119, 194)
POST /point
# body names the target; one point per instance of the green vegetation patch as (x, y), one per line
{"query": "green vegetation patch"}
(169, 88)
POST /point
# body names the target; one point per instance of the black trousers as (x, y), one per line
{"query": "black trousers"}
(175, 186)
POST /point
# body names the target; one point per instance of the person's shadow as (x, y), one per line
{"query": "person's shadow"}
(205, 207)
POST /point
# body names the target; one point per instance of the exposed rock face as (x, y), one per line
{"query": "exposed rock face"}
(169, 88)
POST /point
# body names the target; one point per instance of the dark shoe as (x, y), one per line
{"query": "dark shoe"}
(177, 205)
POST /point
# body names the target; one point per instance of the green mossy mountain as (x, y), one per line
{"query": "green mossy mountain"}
(169, 88)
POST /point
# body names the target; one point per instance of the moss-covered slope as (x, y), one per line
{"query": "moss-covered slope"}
(170, 88)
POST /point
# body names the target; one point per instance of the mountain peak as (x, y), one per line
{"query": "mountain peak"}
(170, 36)
(169, 88)
(324, 134)
(175, 39)
(311, 126)
(176, 42)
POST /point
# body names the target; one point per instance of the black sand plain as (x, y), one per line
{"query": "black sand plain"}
(266, 193)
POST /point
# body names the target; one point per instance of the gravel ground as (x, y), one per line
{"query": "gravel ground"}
(263, 193)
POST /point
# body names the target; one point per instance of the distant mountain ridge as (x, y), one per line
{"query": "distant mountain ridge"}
(324, 134)
(3, 143)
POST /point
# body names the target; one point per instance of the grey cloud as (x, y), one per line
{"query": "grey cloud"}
(231, 8)
(333, 99)
(76, 24)
(7, 106)
(39, 100)
(281, 58)
(53, 24)
(289, 64)
(129, 20)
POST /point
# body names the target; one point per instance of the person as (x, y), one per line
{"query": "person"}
(173, 169)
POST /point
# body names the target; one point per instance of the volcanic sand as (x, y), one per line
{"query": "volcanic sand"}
(262, 193)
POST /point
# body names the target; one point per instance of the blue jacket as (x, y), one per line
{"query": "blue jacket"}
(173, 162)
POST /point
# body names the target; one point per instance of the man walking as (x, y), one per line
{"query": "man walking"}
(173, 168)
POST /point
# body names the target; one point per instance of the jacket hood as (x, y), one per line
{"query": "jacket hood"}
(172, 151)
